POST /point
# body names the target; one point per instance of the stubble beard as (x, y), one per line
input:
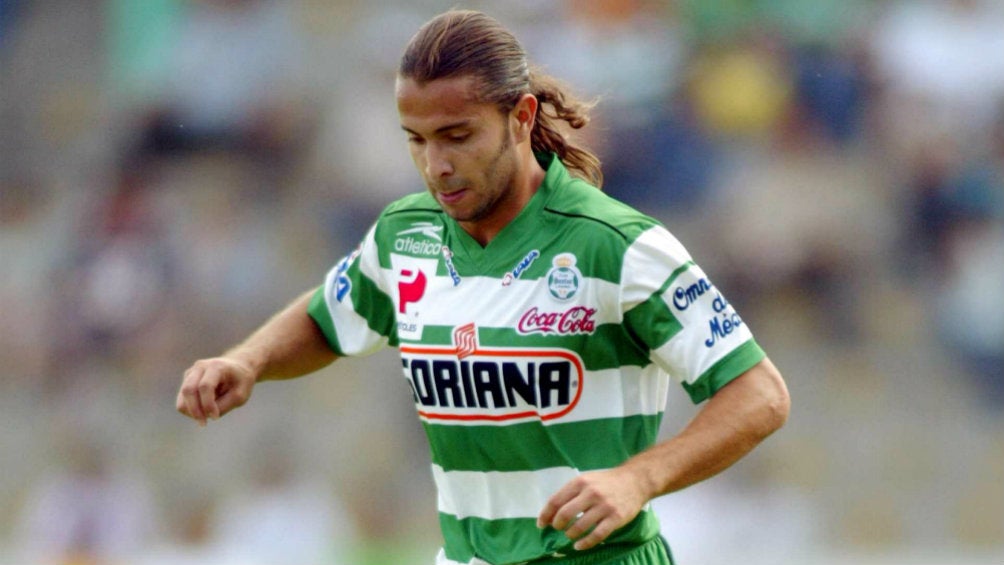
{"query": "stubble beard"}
(500, 187)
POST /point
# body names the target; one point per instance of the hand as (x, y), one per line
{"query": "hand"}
(212, 387)
(593, 505)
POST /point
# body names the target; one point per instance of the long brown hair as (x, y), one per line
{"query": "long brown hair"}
(465, 42)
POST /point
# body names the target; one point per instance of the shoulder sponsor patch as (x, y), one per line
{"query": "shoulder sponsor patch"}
(695, 297)
(724, 323)
(343, 284)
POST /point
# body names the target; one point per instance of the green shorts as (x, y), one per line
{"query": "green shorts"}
(652, 552)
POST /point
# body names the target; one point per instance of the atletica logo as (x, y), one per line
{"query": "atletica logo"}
(491, 384)
(417, 246)
(428, 229)
(407, 243)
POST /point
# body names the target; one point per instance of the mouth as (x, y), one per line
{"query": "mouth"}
(451, 197)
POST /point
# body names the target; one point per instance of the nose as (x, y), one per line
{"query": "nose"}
(437, 162)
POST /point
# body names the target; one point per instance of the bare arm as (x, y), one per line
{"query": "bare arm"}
(288, 345)
(737, 418)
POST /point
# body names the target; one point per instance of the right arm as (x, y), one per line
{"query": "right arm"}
(289, 345)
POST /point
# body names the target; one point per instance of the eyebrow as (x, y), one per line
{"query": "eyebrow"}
(443, 129)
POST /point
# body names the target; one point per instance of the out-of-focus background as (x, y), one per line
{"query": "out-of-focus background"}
(172, 172)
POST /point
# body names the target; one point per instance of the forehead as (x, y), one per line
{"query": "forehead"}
(433, 104)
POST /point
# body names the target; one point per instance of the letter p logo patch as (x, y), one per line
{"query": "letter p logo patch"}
(410, 288)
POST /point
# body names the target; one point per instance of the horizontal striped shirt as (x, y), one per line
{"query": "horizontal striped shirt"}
(542, 355)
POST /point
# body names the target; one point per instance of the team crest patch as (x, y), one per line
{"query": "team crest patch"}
(563, 279)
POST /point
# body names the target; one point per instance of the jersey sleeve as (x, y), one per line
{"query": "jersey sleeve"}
(353, 307)
(689, 328)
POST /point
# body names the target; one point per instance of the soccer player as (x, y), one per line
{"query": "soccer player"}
(539, 322)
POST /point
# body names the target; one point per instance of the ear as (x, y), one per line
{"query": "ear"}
(524, 115)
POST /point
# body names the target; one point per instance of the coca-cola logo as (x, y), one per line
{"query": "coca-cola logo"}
(577, 320)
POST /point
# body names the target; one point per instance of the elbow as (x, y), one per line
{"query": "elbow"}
(777, 403)
(761, 397)
(772, 401)
(779, 407)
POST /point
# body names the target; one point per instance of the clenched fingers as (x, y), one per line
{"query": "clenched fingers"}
(591, 506)
(213, 387)
(230, 395)
(584, 516)
(197, 396)
(562, 508)
(592, 527)
(188, 402)
(208, 384)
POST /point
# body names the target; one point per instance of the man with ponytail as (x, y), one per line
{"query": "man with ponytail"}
(540, 322)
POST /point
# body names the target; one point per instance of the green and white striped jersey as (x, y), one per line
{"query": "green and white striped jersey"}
(542, 355)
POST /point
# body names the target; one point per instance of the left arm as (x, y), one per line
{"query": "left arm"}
(734, 420)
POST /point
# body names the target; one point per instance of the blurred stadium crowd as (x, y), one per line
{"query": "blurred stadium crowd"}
(172, 172)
